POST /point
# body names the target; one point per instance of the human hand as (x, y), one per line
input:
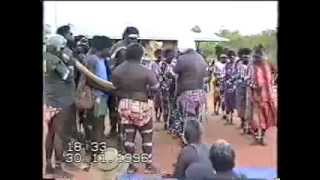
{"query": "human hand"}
(49, 112)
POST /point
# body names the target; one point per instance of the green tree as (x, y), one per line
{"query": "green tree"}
(267, 38)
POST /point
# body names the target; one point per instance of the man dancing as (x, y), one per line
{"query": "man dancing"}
(117, 53)
(132, 80)
(191, 71)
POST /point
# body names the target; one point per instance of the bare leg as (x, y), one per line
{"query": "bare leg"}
(49, 144)
(215, 107)
(231, 118)
(59, 147)
(130, 134)
(146, 134)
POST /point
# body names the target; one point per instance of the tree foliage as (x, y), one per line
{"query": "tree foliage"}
(267, 38)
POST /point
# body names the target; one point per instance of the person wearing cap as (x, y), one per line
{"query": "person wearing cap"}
(229, 86)
(264, 112)
(130, 35)
(191, 71)
(117, 53)
(241, 84)
(59, 88)
(132, 82)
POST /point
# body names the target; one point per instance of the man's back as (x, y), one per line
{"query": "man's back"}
(191, 69)
(132, 79)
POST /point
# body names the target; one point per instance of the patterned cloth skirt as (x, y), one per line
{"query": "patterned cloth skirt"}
(190, 103)
(230, 101)
(241, 101)
(187, 106)
(134, 112)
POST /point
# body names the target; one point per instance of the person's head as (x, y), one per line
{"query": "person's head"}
(231, 55)
(157, 54)
(131, 34)
(193, 131)
(244, 54)
(82, 44)
(134, 52)
(223, 58)
(222, 156)
(258, 56)
(56, 43)
(168, 55)
(101, 45)
(65, 31)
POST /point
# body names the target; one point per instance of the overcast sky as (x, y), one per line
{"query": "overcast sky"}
(108, 18)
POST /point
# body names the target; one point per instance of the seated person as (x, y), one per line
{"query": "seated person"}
(194, 151)
(222, 157)
(199, 171)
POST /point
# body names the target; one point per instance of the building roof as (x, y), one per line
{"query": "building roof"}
(209, 37)
(162, 36)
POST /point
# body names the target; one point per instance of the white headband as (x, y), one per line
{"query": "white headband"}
(133, 36)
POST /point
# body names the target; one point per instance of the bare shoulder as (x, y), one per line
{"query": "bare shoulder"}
(119, 69)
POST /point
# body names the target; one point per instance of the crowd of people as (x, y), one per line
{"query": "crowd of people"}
(174, 86)
(245, 84)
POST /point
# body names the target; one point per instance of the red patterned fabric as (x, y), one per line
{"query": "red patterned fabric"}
(264, 108)
(135, 112)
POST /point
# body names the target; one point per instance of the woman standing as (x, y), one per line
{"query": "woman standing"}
(263, 104)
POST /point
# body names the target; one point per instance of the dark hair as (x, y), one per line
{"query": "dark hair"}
(167, 52)
(157, 52)
(258, 53)
(244, 51)
(62, 30)
(134, 52)
(130, 30)
(100, 42)
(192, 131)
(222, 157)
(78, 38)
(231, 53)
